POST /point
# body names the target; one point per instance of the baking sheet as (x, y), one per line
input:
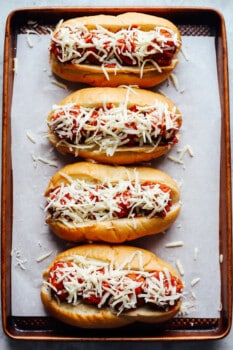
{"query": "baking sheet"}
(197, 97)
(25, 238)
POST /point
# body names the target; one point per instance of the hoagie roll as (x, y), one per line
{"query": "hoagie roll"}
(95, 202)
(103, 286)
(104, 50)
(114, 125)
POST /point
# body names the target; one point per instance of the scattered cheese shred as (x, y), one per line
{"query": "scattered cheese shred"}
(175, 81)
(162, 92)
(184, 54)
(45, 161)
(185, 306)
(29, 42)
(175, 160)
(45, 256)
(221, 258)
(195, 281)
(61, 85)
(32, 23)
(182, 152)
(196, 251)
(220, 307)
(28, 37)
(30, 136)
(15, 65)
(20, 262)
(193, 295)
(174, 244)
(179, 267)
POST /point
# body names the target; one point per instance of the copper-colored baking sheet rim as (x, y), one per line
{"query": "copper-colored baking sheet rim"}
(191, 21)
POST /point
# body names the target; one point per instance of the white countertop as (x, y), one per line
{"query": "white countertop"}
(226, 8)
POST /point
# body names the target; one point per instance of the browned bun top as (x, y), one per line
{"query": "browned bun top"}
(97, 96)
(144, 21)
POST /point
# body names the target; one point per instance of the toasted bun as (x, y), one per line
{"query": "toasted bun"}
(94, 75)
(120, 230)
(97, 97)
(88, 316)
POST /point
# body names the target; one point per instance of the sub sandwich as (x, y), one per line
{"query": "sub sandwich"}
(104, 50)
(95, 202)
(114, 125)
(103, 286)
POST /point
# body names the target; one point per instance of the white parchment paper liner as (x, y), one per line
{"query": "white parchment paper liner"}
(197, 97)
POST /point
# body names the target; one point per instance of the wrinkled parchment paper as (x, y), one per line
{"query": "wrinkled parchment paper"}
(197, 227)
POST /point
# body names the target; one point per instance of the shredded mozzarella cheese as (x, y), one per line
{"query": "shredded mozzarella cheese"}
(196, 252)
(185, 306)
(30, 136)
(59, 84)
(175, 81)
(81, 201)
(130, 46)
(20, 261)
(180, 267)
(118, 287)
(182, 152)
(195, 281)
(108, 128)
(221, 258)
(174, 244)
(44, 256)
(28, 37)
(15, 65)
(45, 161)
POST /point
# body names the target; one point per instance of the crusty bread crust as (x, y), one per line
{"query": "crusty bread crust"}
(88, 316)
(114, 231)
(96, 97)
(144, 21)
(93, 75)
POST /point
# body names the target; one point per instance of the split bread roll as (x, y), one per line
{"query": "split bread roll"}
(95, 202)
(104, 50)
(114, 125)
(103, 286)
